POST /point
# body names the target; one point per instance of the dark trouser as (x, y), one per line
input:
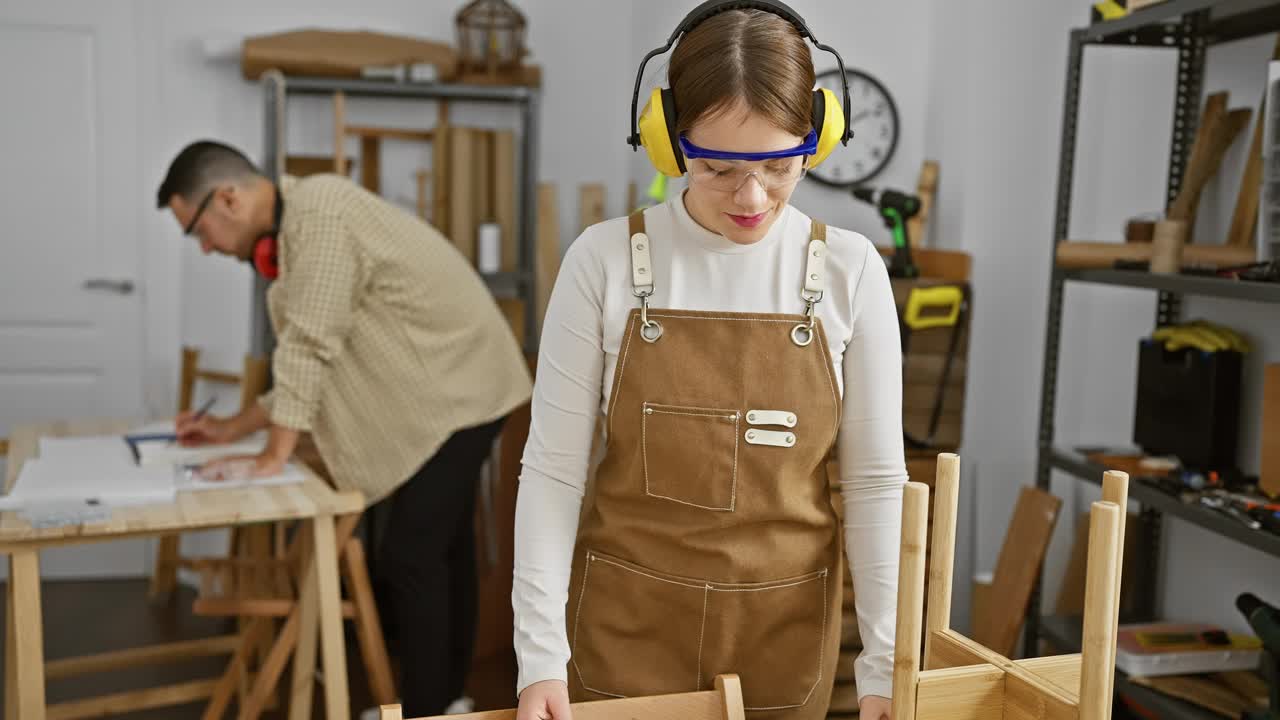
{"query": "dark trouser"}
(427, 566)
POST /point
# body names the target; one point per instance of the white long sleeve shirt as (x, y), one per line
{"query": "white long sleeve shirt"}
(696, 269)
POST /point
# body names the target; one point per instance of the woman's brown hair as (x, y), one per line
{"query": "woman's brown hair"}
(749, 55)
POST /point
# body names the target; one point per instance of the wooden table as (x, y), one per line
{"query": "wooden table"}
(312, 501)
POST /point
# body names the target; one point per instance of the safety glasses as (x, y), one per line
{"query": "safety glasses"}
(727, 171)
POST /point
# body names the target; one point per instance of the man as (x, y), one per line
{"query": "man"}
(393, 354)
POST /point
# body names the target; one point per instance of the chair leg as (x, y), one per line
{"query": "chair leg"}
(946, 493)
(164, 578)
(1101, 589)
(906, 666)
(373, 647)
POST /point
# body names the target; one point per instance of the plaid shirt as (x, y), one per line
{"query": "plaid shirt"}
(387, 339)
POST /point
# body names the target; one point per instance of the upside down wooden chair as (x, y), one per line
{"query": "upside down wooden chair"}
(960, 679)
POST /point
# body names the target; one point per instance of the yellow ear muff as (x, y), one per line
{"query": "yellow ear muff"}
(828, 122)
(657, 134)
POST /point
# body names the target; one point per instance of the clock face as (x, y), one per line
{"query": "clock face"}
(874, 120)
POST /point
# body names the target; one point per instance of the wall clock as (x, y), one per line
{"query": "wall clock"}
(873, 116)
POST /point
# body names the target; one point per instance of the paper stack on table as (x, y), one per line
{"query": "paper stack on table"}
(96, 471)
(81, 478)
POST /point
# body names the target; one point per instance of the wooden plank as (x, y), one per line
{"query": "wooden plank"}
(946, 498)
(504, 197)
(150, 655)
(340, 133)
(373, 647)
(548, 246)
(1115, 489)
(1061, 670)
(729, 687)
(423, 201)
(304, 165)
(1027, 695)
(1199, 690)
(302, 685)
(329, 598)
(390, 712)
(388, 133)
(1017, 568)
(10, 655)
(1100, 603)
(440, 170)
(462, 201)
(906, 664)
(926, 188)
(371, 164)
(220, 698)
(964, 693)
(133, 701)
(273, 667)
(234, 607)
(482, 175)
(946, 651)
(590, 205)
(26, 628)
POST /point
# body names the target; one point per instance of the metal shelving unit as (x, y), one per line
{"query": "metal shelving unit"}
(1187, 27)
(519, 284)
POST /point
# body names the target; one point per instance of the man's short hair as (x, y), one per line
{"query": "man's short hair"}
(202, 166)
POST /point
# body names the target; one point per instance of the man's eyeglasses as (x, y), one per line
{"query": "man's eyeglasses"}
(199, 211)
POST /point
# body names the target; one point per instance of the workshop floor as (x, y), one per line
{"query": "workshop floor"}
(122, 617)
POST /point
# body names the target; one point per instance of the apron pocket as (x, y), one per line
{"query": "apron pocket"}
(691, 455)
(635, 631)
(758, 629)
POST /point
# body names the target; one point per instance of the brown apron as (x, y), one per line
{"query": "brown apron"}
(709, 543)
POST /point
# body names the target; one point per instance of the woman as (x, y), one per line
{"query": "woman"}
(719, 349)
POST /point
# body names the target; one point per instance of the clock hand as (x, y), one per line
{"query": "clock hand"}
(859, 116)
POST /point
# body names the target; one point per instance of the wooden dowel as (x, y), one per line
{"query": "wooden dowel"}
(906, 664)
(946, 494)
(1099, 612)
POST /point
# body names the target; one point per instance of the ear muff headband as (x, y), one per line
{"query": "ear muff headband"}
(660, 145)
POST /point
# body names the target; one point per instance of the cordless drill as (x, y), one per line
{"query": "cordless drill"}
(896, 208)
(1265, 621)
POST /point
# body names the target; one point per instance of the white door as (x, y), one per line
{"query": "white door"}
(70, 196)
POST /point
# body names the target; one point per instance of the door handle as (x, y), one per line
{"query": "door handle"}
(120, 287)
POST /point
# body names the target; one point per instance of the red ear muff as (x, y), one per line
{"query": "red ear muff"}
(264, 257)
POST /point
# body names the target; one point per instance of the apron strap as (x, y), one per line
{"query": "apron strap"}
(641, 262)
(815, 264)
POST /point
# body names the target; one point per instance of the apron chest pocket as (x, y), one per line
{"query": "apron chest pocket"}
(691, 455)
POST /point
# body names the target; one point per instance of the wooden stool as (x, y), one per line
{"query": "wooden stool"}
(723, 703)
(961, 679)
(261, 589)
(252, 382)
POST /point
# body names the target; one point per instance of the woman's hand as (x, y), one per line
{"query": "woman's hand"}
(546, 700)
(873, 707)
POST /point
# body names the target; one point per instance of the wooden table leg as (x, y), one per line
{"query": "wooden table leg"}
(329, 600)
(304, 658)
(24, 674)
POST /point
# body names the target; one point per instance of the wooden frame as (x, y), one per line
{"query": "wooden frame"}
(960, 679)
(722, 703)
